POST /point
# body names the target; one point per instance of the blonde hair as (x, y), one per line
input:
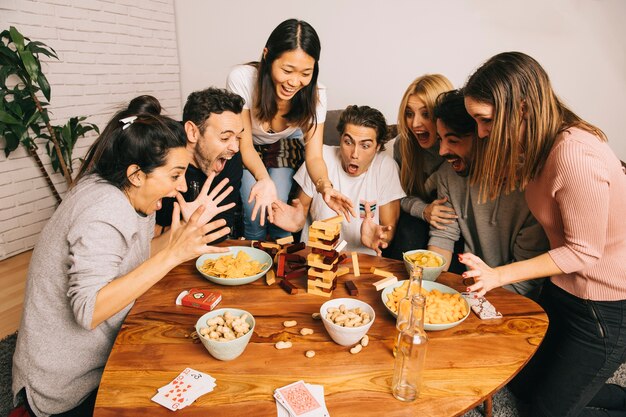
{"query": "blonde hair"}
(519, 90)
(412, 176)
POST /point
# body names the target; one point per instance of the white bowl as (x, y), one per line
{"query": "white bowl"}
(346, 336)
(228, 350)
(430, 273)
(429, 286)
(254, 253)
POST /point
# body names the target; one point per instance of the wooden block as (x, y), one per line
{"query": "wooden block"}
(281, 251)
(270, 277)
(296, 273)
(341, 246)
(315, 291)
(296, 247)
(342, 270)
(280, 266)
(326, 253)
(319, 245)
(352, 289)
(334, 220)
(320, 235)
(270, 245)
(285, 240)
(333, 228)
(355, 264)
(317, 261)
(288, 287)
(381, 272)
(295, 259)
(327, 275)
(385, 282)
(319, 283)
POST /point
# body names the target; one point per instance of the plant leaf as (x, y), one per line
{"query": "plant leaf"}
(8, 119)
(44, 85)
(17, 38)
(37, 47)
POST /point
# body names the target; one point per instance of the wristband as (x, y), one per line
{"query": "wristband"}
(321, 183)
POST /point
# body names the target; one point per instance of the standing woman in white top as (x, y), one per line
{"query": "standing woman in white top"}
(283, 115)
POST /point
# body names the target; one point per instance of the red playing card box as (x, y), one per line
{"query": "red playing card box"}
(202, 298)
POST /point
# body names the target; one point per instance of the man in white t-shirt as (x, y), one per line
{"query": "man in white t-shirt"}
(359, 169)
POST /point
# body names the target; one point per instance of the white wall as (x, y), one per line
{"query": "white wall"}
(109, 52)
(372, 49)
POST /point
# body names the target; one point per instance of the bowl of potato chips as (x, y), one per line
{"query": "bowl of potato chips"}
(431, 262)
(241, 265)
(445, 307)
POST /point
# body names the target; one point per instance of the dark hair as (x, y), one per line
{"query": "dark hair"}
(202, 104)
(450, 108)
(365, 116)
(144, 141)
(288, 36)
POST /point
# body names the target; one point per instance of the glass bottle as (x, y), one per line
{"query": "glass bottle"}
(411, 354)
(404, 305)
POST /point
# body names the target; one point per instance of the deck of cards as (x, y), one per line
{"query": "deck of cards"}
(186, 388)
(481, 306)
(301, 400)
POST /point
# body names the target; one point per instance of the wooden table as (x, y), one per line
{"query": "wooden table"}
(465, 364)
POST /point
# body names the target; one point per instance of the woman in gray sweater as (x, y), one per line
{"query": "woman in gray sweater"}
(96, 256)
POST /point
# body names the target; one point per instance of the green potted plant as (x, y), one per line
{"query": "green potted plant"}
(23, 113)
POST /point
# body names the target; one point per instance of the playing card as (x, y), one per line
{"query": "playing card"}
(299, 400)
(481, 306)
(184, 389)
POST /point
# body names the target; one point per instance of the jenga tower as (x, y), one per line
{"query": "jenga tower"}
(323, 260)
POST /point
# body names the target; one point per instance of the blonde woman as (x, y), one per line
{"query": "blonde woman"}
(416, 150)
(576, 189)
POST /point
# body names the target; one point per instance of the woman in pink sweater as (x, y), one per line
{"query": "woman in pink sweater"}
(576, 188)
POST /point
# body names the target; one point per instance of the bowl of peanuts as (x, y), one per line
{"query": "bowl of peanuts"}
(225, 332)
(445, 308)
(347, 320)
(431, 262)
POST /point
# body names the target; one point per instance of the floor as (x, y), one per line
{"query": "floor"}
(13, 280)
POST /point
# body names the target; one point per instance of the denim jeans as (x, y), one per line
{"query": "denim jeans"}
(283, 178)
(584, 345)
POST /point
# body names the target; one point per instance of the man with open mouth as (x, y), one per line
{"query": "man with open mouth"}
(359, 169)
(500, 231)
(213, 124)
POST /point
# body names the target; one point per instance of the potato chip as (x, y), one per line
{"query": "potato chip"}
(440, 308)
(228, 266)
(425, 259)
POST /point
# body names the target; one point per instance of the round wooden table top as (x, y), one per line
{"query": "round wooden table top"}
(464, 365)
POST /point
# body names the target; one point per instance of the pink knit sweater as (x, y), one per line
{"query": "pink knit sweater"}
(580, 200)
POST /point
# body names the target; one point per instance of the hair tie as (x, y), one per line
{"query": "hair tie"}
(127, 121)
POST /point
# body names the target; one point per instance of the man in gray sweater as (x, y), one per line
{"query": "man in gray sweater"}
(499, 231)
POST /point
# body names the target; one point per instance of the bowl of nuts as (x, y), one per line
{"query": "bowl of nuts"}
(431, 262)
(347, 320)
(225, 332)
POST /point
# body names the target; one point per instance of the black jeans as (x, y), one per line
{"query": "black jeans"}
(584, 345)
(84, 409)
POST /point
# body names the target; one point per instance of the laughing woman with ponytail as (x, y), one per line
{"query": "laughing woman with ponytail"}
(96, 255)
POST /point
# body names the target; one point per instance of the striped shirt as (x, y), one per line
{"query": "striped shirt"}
(580, 200)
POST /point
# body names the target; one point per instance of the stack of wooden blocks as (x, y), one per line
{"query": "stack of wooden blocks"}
(324, 259)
